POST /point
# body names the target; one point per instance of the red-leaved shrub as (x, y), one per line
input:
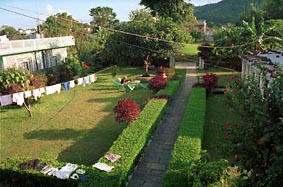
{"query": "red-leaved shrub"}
(126, 111)
(158, 82)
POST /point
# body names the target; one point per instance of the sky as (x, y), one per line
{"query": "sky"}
(79, 9)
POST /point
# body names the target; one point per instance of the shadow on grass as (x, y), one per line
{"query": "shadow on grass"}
(90, 147)
(54, 134)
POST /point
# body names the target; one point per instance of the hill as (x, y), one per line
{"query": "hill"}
(225, 11)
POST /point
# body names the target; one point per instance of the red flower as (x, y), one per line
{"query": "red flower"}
(225, 92)
(234, 90)
(232, 77)
(227, 124)
(260, 140)
(239, 80)
(227, 134)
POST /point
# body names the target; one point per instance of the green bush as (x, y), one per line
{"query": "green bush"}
(204, 172)
(12, 175)
(129, 145)
(188, 144)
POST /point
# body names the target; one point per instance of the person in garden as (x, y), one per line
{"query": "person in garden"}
(125, 80)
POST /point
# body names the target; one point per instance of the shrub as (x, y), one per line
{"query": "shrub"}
(158, 82)
(210, 81)
(126, 111)
(205, 172)
(38, 80)
(188, 144)
(13, 78)
(257, 143)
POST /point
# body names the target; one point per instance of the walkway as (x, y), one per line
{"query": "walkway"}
(153, 163)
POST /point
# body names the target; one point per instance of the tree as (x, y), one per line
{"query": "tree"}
(58, 25)
(143, 38)
(273, 9)
(178, 10)
(11, 33)
(103, 17)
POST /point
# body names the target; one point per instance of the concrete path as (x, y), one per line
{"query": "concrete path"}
(154, 161)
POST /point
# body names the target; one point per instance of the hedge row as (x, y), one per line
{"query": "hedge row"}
(188, 144)
(129, 145)
(132, 140)
(12, 175)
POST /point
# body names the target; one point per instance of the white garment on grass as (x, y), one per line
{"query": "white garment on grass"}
(72, 84)
(103, 166)
(6, 100)
(65, 171)
(28, 94)
(19, 98)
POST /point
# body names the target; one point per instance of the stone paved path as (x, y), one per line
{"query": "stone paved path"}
(153, 163)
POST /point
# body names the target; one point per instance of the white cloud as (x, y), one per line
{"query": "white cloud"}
(49, 9)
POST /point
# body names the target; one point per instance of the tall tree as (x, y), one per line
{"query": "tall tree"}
(178, 10)
(103, 16)
(58, 25)
(143, 38)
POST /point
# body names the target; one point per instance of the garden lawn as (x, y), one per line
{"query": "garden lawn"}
(189, 49)
(75, 126)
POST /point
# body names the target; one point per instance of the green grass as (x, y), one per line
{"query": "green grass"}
(189, 49)
(77, 126)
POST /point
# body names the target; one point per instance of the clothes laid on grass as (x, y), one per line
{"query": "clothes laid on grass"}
(103, 166)
(6, 100)
(19, 98)
(86, 80)
(112, 157)
(65, 171)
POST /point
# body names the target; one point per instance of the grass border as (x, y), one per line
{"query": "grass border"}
(188, 144)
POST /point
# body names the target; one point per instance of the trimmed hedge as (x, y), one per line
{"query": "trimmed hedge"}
(188, 144)
(12, 175)
(129, 145)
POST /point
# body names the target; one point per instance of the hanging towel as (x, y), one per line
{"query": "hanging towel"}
(36, 94)
(19, 98)
(6, 100)
(50, 89)
(57, 88)
(86, 80)
(42, 90)
(92, 78)
(66, 86)
(80, 81)
(28, 94)
(72, 84)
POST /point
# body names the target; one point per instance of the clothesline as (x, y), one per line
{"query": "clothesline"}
(19, 97)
